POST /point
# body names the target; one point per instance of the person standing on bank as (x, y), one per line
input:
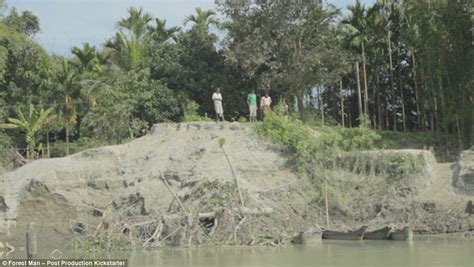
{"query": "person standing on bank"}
(252, 104)
(217, 99)
(265, 104)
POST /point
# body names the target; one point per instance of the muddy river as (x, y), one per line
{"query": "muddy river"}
(429, 251)
(422, 251)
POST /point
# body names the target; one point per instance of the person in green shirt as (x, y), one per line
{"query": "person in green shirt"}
(252, 103)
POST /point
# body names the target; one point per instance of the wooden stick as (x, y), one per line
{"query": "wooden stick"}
(235, 176)
(156, 235)
(173, 193)
(327, 203)
(31, 245)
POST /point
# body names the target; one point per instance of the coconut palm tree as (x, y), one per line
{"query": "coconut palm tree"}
(86, 56)
(357, 23)
(128, 46)
(161, 33)
(136, 23)
(202, 18)
(66, 79)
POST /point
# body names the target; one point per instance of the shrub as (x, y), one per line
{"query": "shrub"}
(191, 113)
(308, 147)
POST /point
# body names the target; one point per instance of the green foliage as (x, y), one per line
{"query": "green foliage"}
(21, 69)
(394, 166)
(95, 246)
(418, 67)
(221, 142)
(214, 193)
(59, 148)
(128, 106)
(26, 23)
(309, 146)
(398, 140)
(191, 113)
(30, 123)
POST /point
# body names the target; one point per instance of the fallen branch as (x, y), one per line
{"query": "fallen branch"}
(173, 193)
(221, 144)
(156, 235)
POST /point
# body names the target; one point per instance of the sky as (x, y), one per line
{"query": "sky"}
(68, 23)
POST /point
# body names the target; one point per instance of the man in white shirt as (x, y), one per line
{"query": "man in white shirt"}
(217, 99)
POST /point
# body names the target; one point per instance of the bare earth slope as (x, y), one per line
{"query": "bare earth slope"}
(75, 195)
(58, 193)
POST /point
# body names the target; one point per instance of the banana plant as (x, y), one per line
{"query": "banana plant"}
(30, 124)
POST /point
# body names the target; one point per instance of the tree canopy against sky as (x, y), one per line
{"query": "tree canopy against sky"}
(415, 69)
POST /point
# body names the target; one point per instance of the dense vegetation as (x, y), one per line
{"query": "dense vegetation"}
(392, 67)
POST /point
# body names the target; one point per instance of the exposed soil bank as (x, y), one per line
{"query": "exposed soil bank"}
(177, 187)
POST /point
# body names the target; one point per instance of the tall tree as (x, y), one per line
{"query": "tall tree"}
(357, 21)
(292, 51)
(128, 47)
(203, 18)
(160, 33)
(86, 55)
(26, 23)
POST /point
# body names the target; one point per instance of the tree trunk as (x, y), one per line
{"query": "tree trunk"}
(321, 104)
(342, 103)
(67, 139)
(458, 130)
(47, 144)
(402, 100)
(418, 112)
(391, 77)
(366, 90)
(301, 107)
(349, 114)
(374, 108)
(395, 121)
(379, 105)
(359, 94)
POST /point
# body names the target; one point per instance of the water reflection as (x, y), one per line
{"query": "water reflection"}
(432, 251)
(429, 251)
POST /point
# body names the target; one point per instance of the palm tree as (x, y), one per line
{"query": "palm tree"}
(130, 42)
(136, 23)
(161, 33)
(203, 18)
(30, 124)
(357, 22)
(66, 79)
(86, 55)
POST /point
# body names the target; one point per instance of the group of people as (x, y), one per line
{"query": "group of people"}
(265, 105)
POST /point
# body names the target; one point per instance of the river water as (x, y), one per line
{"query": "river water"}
(422, 251)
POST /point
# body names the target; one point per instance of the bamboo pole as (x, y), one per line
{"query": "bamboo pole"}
(326, 202)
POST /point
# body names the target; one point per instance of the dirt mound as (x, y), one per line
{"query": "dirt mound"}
(66, 194)
(208, 183)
